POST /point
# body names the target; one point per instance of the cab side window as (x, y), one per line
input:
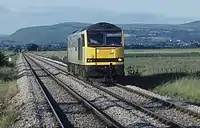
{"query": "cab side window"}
(82, 40)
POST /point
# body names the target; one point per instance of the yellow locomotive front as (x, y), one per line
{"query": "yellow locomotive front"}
(104, 50)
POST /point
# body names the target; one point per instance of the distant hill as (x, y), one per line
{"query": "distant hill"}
(47, 15)
(45, 34)
(59, 32)
(2, 35)
(192, 25)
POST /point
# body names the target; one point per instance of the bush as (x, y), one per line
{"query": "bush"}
(197, 74)
(3, 60)
(7, 74)
(56, 58)
(65, 59)
(10, 75)
(133, 71)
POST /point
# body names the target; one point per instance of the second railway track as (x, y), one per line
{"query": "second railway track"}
(177, 115)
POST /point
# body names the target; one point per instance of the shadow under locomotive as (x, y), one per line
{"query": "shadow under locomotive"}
(152, 81)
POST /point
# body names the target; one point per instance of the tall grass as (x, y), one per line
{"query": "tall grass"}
(7, 74)
(157, 65)
(7, 120)
(187, 89)
(8, 89)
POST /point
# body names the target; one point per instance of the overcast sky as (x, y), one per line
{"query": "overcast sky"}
(24, 13)
(174, 8)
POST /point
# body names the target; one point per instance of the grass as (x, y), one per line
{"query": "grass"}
(161, 61)
(182, 60)
(8, 89)
(147, 51)
(59, 54)
(186, 89)
(156, 65)
(7, 120)
(7, 74)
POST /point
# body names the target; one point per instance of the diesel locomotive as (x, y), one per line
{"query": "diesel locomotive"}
(96, 51)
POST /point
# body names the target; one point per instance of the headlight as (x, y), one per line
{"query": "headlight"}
(120, 59)
(89, 60)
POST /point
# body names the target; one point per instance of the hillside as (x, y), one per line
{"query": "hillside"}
(59, 32)
(192, 25)
(44, 15)
(2, 35)
(45, 34)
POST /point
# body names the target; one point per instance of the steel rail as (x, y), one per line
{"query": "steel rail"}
(107, 119)
(57, 111)
(170, 104)
(137, 106)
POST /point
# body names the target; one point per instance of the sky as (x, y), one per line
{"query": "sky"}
(172, 8)
(16, 14)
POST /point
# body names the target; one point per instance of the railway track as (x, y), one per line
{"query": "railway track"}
(105, 103)
(58, 112)
(165, 111)
(185, 117)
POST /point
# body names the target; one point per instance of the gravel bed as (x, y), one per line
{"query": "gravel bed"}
(178, 102)
(119, 111)
(172, 113)
(29, 103)
(59, 64)
(157, 107)
(75, 111)
(43, 107)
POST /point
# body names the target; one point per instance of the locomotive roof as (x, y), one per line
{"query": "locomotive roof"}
(100, 26)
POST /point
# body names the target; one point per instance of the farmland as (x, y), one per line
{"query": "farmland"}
(155, 65)
(150, 62)
(162, 71)
(145, 51)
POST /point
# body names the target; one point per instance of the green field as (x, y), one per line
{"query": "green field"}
(155, 65)
(145, 51)
(164, 70)
(146, 61)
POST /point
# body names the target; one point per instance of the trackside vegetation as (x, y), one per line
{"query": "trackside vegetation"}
(8, 89)
(186, 89)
